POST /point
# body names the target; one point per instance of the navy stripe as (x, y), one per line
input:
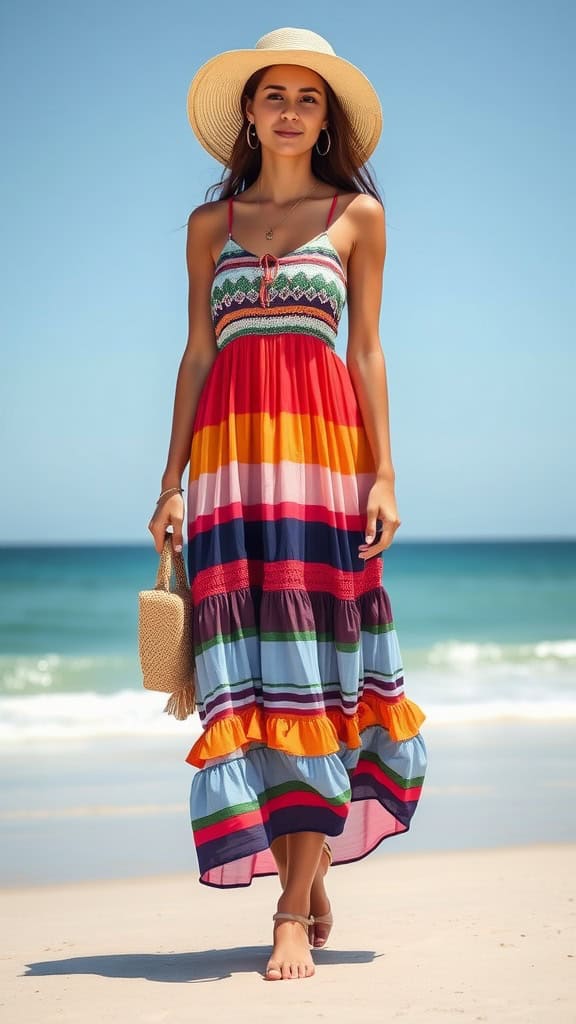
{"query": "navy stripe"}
(284, 539)
(366, 787)
(234, 845)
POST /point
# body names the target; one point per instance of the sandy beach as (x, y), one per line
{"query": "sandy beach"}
(479, 935)
(470, 916)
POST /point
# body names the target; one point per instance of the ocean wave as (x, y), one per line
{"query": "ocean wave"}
(68, 673)
(140, 713)
(460, 654)
(52, 672)
(75, 715)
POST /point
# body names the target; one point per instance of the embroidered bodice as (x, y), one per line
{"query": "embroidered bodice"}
(302, 292)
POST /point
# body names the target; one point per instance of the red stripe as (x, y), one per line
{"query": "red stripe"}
(275, 384)
(321, 261)
(272, 513)
(369, 768)
(288, 574)
(248, 259)
(238, 822)
(331, 210)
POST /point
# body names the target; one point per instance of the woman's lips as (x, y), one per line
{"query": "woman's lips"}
(288, 134)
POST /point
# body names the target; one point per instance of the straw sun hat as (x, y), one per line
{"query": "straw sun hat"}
(214, 95)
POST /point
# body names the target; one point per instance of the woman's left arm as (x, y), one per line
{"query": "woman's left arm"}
(366, 364)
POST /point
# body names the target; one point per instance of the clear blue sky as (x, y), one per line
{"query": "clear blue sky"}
(100, 170)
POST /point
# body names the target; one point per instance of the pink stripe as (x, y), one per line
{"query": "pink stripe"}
(271, 513)
(236, 484)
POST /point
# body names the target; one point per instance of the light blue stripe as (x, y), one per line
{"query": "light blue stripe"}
(240, 779)
(304, 664)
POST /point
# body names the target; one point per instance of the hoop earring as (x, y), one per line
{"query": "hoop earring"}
(252, 125)
(329, 143)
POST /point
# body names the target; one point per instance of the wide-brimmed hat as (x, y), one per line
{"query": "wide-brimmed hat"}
(214, 96)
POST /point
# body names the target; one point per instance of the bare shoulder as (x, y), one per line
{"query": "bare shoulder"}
(205, 226)
(366, 216)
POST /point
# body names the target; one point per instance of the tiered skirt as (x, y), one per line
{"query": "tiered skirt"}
(300, 687)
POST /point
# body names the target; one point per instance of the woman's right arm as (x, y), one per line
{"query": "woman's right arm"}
(199, 354)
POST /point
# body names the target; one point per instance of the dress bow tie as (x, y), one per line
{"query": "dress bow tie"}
(270, 265)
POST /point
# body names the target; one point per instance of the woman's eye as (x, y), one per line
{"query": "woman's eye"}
(278, 96)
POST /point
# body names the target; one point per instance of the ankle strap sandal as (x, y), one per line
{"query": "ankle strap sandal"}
(280, 915)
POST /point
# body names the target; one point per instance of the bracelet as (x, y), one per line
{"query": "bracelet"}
(180, 490)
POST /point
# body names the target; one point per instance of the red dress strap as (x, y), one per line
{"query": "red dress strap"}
(230, 215)
(331, 211)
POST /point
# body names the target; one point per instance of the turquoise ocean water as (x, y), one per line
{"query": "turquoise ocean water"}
(487, 632)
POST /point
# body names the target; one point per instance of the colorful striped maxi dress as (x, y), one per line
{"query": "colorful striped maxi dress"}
(300, 688)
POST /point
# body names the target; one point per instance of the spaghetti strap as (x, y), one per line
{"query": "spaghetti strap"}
(230, 215)
(331, 211)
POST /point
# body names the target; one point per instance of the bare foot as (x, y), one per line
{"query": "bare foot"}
(320, 904)
(291, 956)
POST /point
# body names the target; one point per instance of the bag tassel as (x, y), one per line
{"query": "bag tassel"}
(182, 703)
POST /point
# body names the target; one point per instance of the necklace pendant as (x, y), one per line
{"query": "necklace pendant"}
(269, 234)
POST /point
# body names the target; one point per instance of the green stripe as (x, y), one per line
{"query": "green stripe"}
(368, 755)
(262, 329)
(286, 636)
(313, 688)
(226, 638)
(264, 797)
(309, 634)
(256, 683)
(228, 812)
(374, 674)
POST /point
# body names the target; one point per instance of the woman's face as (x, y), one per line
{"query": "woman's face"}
(289, 108)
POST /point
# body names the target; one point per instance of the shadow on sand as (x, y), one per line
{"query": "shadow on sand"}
(208, 965)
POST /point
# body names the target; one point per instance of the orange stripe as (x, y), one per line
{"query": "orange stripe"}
(255, 311)
(258, 437)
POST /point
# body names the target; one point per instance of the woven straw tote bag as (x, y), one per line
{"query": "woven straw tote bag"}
(165, 637)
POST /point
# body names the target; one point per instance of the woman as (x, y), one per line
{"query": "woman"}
(307, 732)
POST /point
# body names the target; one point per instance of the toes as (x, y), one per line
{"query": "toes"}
(273, 972)
(321, 933)
(288, 971)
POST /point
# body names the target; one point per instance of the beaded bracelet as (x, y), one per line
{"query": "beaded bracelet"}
(180, 490)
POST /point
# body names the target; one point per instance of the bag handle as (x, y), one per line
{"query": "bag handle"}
(170, 560)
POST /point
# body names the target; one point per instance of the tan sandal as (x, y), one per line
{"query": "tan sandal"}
(284, 915)
(322, 918)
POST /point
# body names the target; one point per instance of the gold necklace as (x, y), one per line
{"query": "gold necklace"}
(270, 232)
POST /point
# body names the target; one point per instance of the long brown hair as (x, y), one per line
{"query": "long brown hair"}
(341, 167)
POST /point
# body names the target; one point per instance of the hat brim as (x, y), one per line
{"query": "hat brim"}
(215, 92)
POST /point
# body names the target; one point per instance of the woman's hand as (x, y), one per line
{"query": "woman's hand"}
(381, 505)
(169, 512)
